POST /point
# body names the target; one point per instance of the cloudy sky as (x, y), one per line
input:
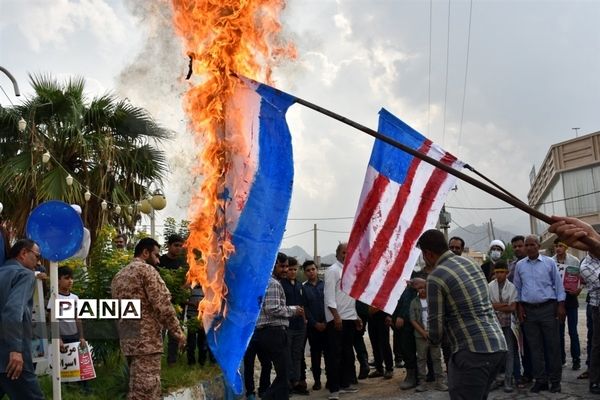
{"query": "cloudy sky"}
(532, 76)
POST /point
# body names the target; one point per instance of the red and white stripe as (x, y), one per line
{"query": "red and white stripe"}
(390, 218)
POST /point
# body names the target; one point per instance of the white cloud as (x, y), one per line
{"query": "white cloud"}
(57, 22)
(343, 25)
(529, 82)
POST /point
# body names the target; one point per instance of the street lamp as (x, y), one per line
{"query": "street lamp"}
(21, 125)
(153, 203)
(12, 79)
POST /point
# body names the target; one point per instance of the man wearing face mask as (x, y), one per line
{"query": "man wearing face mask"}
(458, 302)
(495, 252)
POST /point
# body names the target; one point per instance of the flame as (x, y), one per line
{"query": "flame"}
(223, 37)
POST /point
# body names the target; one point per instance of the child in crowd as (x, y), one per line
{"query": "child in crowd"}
(71, 330)
(503, 296)
(418, 319)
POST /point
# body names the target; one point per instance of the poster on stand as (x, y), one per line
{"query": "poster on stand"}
(39, 339)
(76, 363)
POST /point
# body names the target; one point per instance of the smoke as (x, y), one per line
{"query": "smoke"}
(155, 81)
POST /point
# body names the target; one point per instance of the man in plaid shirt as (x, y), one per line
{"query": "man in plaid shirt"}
(459, 305)
(270, 333)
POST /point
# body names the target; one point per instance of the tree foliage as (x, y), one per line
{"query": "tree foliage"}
(171, 228)
(108, 146)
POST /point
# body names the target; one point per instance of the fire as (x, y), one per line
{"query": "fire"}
(223, 37)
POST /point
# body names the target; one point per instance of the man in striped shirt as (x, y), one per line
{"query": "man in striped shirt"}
(459, 306)
(270, 334)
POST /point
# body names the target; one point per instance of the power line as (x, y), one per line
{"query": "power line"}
(481, 208)
(447, 206)
(429, 76)
(462, 110)
(324, 230)
(480, 240)
(463, 228)
(512, 207)
(3, 91)
(297, 234)
(447, 67)
(319, 219)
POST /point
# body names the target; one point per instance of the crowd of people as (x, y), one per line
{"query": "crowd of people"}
(458, 327)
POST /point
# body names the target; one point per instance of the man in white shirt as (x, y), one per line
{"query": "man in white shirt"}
(342, 322)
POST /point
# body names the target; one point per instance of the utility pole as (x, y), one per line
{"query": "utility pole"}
(444, 221)
(492, 230)
(576, 131)
(315, 252)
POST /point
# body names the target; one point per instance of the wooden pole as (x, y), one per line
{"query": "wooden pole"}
(55, 346)
(315, 252)
(512, 200)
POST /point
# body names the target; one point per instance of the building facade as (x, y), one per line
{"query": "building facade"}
(567, 183)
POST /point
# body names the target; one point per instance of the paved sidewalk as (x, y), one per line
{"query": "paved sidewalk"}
(572, 388)
(378, 388)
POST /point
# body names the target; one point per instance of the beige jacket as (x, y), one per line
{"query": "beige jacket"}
(139, 280)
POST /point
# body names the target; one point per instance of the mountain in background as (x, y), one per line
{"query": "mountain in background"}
(298, 252)
(478, 237)
(301, 255)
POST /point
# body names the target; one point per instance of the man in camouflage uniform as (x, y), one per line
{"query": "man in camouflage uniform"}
(141, 340)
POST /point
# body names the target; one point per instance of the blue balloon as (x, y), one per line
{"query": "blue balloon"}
(57, 229)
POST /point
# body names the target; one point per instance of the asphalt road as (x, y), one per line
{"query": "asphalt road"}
(378, 388)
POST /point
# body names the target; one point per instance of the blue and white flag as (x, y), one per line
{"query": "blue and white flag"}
(258, 190)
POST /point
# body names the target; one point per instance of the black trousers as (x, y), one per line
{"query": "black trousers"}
(379, 334)
(594, 368)
(408, 345)
(341, 370)
(318, 342)
(527, 367)
(172, 348)
(542, 332)
(265, 368)
(196, 338)
(396, 346)
(470, 375)
(272, 345)
(362, 355)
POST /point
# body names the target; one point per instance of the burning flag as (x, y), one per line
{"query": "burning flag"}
(239, 213)
(401, 198)
(257, 196)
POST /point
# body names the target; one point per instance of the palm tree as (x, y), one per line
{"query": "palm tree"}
(107, 145)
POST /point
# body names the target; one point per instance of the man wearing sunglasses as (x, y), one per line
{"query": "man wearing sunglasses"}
(17, 280)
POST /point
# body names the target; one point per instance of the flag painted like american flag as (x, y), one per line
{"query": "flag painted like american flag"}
(401, 198)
